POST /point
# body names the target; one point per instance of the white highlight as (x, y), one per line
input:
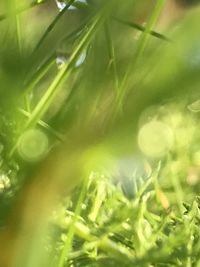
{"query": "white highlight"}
(61, 4)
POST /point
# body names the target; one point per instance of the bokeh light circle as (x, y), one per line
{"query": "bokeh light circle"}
(155, 139)
(33, 145)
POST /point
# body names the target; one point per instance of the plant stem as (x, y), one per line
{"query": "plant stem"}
(68, 244)
(42, 71)
(142, 28)
(46, 126)
(143, 42)
(62, 75)
(112, 55)
(52, 25)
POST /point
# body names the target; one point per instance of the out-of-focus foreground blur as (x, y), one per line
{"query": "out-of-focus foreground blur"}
(99, 133)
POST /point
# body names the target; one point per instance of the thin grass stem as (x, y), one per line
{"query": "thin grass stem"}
(68, 244)
(52, 25)
(142, 44)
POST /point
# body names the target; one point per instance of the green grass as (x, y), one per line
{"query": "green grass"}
(78, 187)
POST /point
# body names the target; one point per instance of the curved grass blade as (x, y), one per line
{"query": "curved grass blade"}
(42, 71)
(46, 126)
(52, 25)
(112, 56)
(143, 42)
(141, 28)
(62, 75)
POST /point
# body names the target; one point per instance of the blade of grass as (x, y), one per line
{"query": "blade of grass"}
(42, 71)
(52, 25)
(68, 244)
(63, 74)
(112, 56)
(142, 28)
(19, 43)
(45, 125)
(142, 44)
(18, 29)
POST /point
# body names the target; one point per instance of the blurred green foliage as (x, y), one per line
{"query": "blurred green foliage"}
(81, 82)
